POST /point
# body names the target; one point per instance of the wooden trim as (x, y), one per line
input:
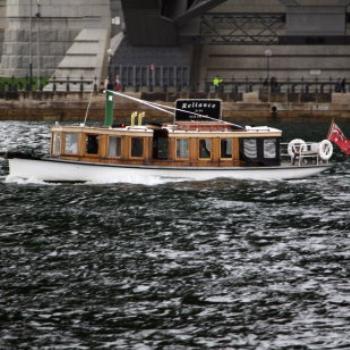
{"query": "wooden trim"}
(125, 157)
(104, 131)
(124, 147)
(51, 144)
(147, 148)
(235, 145)
(241, 134)
(193, 151)
(103, 145)
(176, 133)
(216, 149)
(171, 149)
(52, 139)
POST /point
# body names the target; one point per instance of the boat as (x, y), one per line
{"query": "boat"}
(197, 145)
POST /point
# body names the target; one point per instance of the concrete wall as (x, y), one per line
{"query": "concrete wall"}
(309, 20)
(286, 62)
(160, 56)
(245, 6)
(295, 62)
(304, 17)
(327, 17)
(117, 14)
(62, 21)
(2, 22)
(59, 24)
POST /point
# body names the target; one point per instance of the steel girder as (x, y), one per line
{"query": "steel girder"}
(197, 8)
(242, 28)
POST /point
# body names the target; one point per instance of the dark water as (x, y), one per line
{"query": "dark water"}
(207, 265)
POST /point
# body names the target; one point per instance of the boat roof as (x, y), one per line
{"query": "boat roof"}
(207, 129)
(191, 117)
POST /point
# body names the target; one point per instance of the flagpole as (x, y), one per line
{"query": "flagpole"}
(330, 128)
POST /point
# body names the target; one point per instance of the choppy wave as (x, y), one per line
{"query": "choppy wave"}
(207, 265)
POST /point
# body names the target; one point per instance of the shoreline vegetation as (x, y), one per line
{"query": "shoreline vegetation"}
(15, 84)
(46, 106)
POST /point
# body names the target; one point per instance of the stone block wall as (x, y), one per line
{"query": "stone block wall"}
(286, 62)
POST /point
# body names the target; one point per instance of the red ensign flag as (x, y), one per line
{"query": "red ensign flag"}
(337, 136)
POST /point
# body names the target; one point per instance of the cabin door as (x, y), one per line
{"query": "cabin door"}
(260, 152)
(160, 145)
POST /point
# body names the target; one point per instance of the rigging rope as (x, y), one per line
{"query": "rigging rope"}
(165, 108)
(88, 107)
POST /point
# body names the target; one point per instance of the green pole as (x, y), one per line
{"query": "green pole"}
(109, 109)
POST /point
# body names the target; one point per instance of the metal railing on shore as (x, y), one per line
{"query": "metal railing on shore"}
(288, 90)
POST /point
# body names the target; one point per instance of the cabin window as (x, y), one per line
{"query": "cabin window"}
(160, 144)
(182, 149)
(270, 148)
(56, 144)
(260, 151)
(205, 148)
(71, 143)
(136, 147)
(250, 148)
(114, 147)
(92, 144)
(226, 148)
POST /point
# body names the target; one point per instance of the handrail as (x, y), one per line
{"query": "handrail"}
(301, 151)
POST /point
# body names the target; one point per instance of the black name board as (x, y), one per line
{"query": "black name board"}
(209, 108)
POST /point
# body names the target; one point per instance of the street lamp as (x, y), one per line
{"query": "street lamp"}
(38, 15)
(31, 47)
(110, 54)
(268, 54)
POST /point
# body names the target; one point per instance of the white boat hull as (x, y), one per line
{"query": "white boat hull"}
(59, 171)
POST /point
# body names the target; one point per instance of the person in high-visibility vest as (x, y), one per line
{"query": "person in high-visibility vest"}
(217, 82)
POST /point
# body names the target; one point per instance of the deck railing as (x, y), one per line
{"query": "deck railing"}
(302, 153)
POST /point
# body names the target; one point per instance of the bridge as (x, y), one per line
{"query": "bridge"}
(169, 44)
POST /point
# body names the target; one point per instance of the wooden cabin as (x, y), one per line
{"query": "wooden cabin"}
(197, 146)
(186, 144)
(198, 137)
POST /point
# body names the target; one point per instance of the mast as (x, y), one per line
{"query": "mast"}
(109, 109)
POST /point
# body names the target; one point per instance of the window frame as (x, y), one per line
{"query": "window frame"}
(56, 135)
(256, 147)
(231, 140)
(188, 148)
(120, 147)
(65, 136)
(98, 138)
(274, 140)
(143, 147)
(211, 148)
